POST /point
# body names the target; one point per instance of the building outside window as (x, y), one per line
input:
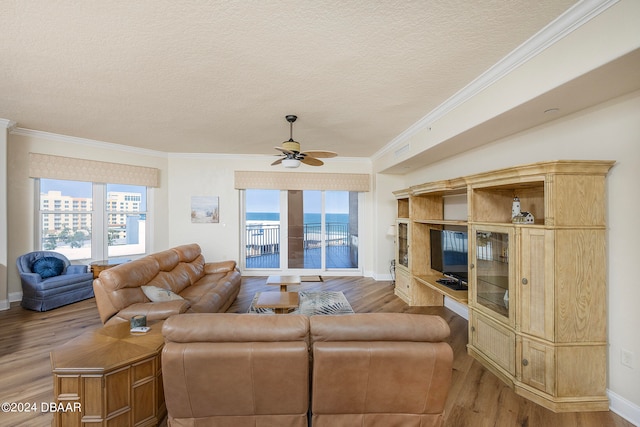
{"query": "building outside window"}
(85, 220)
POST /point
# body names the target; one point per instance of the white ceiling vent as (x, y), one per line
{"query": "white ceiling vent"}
(402, 151)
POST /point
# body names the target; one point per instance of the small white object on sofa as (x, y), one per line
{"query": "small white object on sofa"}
(156, 294)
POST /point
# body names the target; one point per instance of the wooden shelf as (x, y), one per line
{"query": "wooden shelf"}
(441, 222)
(431, 281)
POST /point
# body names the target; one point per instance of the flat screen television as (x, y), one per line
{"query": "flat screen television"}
(449, 253)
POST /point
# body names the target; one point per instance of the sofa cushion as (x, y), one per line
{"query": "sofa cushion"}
(48, 267)
(156, 294)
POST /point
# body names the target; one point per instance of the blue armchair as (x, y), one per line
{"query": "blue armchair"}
(50, 281)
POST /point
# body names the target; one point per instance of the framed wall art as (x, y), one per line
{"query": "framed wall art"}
(205, 209)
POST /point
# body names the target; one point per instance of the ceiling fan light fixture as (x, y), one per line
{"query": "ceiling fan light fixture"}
(291, 155)
(291, 145)
(291, 163)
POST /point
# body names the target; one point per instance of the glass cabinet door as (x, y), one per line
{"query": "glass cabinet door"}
(402, 255)
(493, 270)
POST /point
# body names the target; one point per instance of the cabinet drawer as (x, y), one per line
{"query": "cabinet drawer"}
(494, 340)
(144, 370)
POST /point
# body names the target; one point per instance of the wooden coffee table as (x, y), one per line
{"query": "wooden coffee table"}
(283, 281)
(279, 302)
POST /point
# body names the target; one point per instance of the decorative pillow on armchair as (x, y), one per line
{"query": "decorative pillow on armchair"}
(48, 267)
(156, 294)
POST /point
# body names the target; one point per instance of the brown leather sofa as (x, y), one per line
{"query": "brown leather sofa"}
(373, 369)
(381, 369)
(204, 287)
(237, 370)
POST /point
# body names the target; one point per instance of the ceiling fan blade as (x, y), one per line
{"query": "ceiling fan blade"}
(277, 162)
(284, 150)
(311, 161)
(320, 153)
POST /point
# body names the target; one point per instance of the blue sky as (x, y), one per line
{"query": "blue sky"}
(84, 189)
(269, 201)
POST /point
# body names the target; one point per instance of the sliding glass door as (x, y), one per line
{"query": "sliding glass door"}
(305, 231)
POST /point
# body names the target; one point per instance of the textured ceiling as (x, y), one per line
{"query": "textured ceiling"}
(219, 76)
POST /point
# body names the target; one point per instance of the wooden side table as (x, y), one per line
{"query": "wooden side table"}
(113, 376)
(283, 281)
(98, 266)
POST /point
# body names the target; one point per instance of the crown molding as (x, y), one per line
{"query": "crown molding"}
(86, 142)
(7, 124)
(576, 16)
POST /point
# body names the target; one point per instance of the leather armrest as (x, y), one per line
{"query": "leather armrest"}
(219, 267)
(154, 310)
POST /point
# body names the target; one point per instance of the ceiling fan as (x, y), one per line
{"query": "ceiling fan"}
(291, 154)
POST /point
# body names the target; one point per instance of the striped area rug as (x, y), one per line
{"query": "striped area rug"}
(312, 303)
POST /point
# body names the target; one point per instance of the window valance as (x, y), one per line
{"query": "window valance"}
(302, 181)
(69, 168)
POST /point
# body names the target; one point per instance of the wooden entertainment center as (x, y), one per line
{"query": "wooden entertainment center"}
(536, 291)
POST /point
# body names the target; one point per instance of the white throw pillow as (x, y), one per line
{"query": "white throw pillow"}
(156, 294)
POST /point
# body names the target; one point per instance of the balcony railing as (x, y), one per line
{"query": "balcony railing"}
(263, 240)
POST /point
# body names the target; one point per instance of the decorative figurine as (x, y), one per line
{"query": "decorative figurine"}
(523, 218)
(515, 207)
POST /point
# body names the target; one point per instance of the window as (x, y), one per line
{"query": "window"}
(305, 230)
(85, 220)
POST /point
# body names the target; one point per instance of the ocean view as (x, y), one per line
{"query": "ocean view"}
(309, 218)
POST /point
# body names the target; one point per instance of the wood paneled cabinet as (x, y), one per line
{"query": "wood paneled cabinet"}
(110, 377)
(537, 287)
(403, 284)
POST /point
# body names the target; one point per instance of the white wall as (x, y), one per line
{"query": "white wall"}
(21, 197)
(385, 215)
(610, 131)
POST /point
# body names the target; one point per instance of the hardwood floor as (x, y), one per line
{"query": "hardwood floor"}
(477, 398)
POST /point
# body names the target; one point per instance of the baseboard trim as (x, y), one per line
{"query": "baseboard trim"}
(382, 277)
(13, 297)
(626, 409)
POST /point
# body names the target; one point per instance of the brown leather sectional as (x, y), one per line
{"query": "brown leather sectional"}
(373, 369)
(206, 287)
